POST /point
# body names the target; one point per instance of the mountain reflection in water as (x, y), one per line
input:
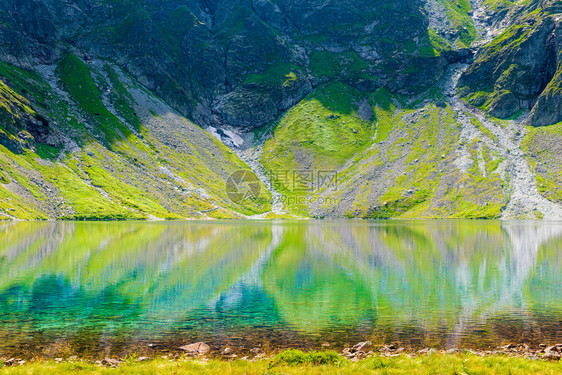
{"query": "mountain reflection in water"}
(112, 288)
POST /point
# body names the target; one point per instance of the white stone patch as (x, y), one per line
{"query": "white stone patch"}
(367, 53)
(227, 137)
(213, 131)
(200, 191)
(235, 138)
(463, 162)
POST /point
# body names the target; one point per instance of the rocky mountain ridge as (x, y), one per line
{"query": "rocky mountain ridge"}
(100, 93)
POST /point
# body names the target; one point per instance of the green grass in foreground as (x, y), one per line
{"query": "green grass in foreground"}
(295, 362)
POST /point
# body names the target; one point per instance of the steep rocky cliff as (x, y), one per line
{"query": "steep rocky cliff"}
(203, 56)
(519, 70)
(98, 98)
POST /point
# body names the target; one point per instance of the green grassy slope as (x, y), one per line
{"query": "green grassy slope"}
(320, 133)
(109, 161)
(458, 13)
(375, 117)
(544, 147)
(402, 163)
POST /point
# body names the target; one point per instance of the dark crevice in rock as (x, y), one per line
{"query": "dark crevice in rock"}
(38, 127)
(547, 110)
(549, 68)
(459, 56)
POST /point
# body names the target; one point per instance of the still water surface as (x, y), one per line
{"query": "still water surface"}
(97, 289)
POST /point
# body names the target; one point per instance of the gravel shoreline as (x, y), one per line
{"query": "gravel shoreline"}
(362, 350)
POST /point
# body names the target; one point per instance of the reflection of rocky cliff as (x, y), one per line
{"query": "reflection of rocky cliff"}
(433, 278)
(422, 282)
(447, 276)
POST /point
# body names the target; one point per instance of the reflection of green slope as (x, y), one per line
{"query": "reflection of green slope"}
(392, 280)
(543, 293)
(311, 290)
(73, 252)
(199, 277)
(131, 270)
(427, 276)
(423, 273)
(450, 276)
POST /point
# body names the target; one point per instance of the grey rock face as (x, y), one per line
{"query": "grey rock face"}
(250, 105)
(198, 54)
(519, 70)
(26, 40)
(548, 109)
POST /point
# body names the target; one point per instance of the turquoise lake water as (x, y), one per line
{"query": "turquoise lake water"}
(96, 289)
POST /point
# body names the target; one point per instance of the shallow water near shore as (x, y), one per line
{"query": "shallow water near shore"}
(112, 289)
